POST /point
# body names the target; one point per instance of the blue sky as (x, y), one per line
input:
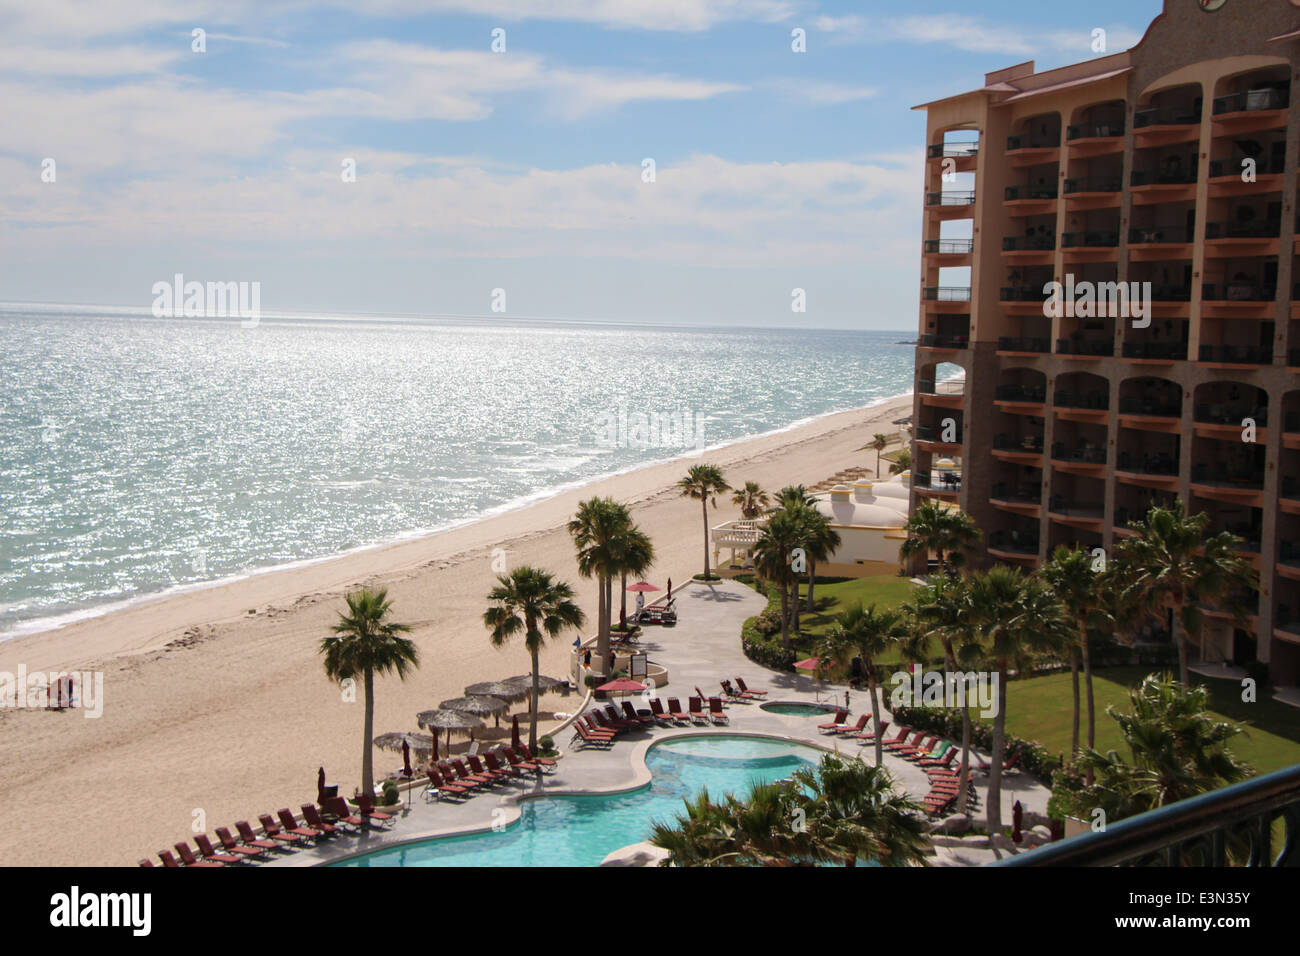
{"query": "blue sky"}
(477, 170)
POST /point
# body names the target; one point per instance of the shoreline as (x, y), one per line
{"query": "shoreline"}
(46, 624)
(215, 699)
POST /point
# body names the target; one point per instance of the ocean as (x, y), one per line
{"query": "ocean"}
(140, 455)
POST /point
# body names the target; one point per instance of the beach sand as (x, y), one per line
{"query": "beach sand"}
(216, 707)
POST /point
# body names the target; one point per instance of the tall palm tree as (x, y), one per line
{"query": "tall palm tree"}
(529, 601)
(879, 442)
(753, 500)
(1020, 618)
(596, 528)
(1082, 590)
(635, 555)
(868, 634)
(773, 554)
(946, 532)
(704, 483)
(753, 831)
(1172, 565)
(821, 540)
(366, 642)
(855, 815)
(902, 461)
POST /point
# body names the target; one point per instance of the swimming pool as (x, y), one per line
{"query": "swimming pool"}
(795, 709)
(583, 830)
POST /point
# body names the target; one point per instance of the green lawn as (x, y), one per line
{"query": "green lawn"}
(1040, 708)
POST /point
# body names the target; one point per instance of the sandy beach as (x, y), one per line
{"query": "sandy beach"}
(215, 701)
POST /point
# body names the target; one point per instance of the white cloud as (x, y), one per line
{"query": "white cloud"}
(819, 93)
(685, 16)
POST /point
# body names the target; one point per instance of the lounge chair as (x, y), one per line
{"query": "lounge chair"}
(450, 774)
(737, 695)
(273, 831)
(715, 711)
(629, 712)
(841, 715)
(900, 737)
(675, 711)
(913, 749)
(466, 774)
(740, 682)
(339, 808)
(188, 857)
(943, 762)
(916, 740)
(548, 764)
(291, 825)
(590, 738)
(168, 860)
(252, 839)
(366, 806)
(931, 752)
(600, 729)
(658, 713)
(438, 787)
(495, 763)
(856, 728)
(1008, 765)
(314, 820)
(602, 723)
(519, 763)
(869, 737)
(696, 708)
(619, 721)
(476, 767)
(253, 847)
(210, 852)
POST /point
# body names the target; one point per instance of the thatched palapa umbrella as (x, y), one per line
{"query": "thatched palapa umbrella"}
(496, 688)
(477, 705)
(447, 720)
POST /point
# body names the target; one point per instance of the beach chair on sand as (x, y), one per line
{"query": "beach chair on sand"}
(715, 711)
(254, 847)
(252, 839)
(841, 715)
(210, 852)
(696, 708)
(675, 711)
(273, 831)
(740, 682)
(189, 859)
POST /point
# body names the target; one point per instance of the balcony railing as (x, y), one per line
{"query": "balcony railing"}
(1017, 542)
(1028, 496)
(1149, 406)
(1021, 293)
(1167, 116)
(1238, 292)
(1095, 130)
(1029, 191)
(1141, 235)
(1170, 293)
(1084, 455)
(1090, 401)
(1099, 347)
(1253, 100)
(946, 293)
(964, 197)
(1020, 393)
(1237, 354)
(1167, 177)
(953, 150)
(1198, 831)
(1227, 475)
(1038, 243)
(930, 341)
(949, 247)
(927, 386)
(946, 481)
(1251, 229)
(1032, 142)
(1059, 504)
(1096, 238)
(1233, 168)
(1094, 184)
(1176, 351)
(1207, 413)
(1145, 464)
(1030, 443)
(1010, 344)
(930, 433)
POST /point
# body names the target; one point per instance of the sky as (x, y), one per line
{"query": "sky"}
(668, 161)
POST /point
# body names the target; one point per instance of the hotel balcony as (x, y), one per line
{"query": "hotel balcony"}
(1084, 515)
(1150, 414)
(1223, 420)
(1288, 560)
(949, 252)
(1173, 184)
(1146, 470)
(1251, 110)
(1095, 138)
(951, 204)
(1021, 399)
(1154, 243)
(1289, 495)
(1024, 449)
(1033, 150)
(1034, 249)
(946, 298)
(963, 154)
(1022, 299)
(1164, 125)
(946, 485)
(1225, 178)
(1013, 345)
(1019, 546)
(931, 437)
(1081, 458)
(1155, 353)
(942, 394)
(1094, 245)
(1026, 499)
(1031, 199)
(1235, 482)
(1235, 355)
(1092, 192)
(1251, 237)
(1080, 346)
(1092, 406)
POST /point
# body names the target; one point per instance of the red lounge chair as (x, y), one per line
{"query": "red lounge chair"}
(366, 805)
(658, 713)
(440, 788)
(145, 861)
(451, 776)
(590, 738)
(209, 852)
(597, 729)
(899, 737)
(913, 749)
(251, 839)
(520, 763)
(339, 808)
(696, 708)
(314, 820)
(629, 712)
(543, 762)
(735, 694)
(740, 682)
(1008, 764)
(944, 761)
(856, 728)
(870, 736)
(188, 857)
(841, 715)
(618, 720)
(272, 830)
(230, 845)
(675, 711)
(465, 774)
(476, 767)
(169, 861)
(715, 711)
(292, 826)
(920, 735)
(494, 763)
(604, 723)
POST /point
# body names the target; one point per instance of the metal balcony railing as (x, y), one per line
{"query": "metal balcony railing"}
(931, 341)
(1038, 243)
(1083, 455)
(1021, 496)
(1233, 168)
(1095, 238)
(1098, 347)
(1250, 229)
(1021, 293)
(1030, 191)
(1169, 293)
(963, 197)
(953, 150)
(1029, 443)
(927, 386)
(1209, 413)
(1094, 184)
(1142, 235)
(1150, 406)
(1227, 475)
(949, 247)
(1020, 393)
(946, 481)
(1176, 351)
(1024, 344)
(1253, 100)
(1095, 130)
(1090, 401)
(1173, 176)
(1145, 464)
(1238, 292)
(946, 293)
(932, 434)
(1016, 542)
(1168, 116)
(1237, 354)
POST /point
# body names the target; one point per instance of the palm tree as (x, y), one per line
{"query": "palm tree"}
(753, 500)
(635, 556)
(366, 643)
(1020, 619)
(755, 831)
(1082, 590)
(1172, 565)
(821, 540)
(597, 529)
(773, 554)
(879, 442)
(531, 602)
(902, 461)
(868, 634)
(854, 815)
(704, 483)
(948, 533)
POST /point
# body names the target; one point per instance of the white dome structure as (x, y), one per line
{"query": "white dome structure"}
(869, 518)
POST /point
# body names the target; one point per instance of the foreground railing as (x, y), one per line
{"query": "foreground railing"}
(1198, 831)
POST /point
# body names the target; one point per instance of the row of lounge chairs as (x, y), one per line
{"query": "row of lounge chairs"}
(453, 780)
(331, 818)
(599, 727)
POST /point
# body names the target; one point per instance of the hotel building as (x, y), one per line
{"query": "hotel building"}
(1173, 163)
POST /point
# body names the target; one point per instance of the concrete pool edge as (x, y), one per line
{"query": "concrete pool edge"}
(513, 803)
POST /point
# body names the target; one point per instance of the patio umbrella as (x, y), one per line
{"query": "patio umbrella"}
(495, 688)
(447, 720)
(641, 587)
(670, 589)
(478, 706)
(624, 685)
(514, 733)
(420, 743)
(811, 664)
(525, 683)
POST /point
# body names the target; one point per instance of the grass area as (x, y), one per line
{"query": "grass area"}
(1040, 708)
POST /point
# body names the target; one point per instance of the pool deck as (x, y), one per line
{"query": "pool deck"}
(703, 648)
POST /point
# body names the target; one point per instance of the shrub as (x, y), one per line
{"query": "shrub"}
(389, 793)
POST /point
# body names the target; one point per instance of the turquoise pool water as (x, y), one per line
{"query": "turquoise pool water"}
(797, 710)
(582, 831)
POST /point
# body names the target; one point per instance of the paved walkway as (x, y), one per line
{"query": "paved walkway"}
(702, 649)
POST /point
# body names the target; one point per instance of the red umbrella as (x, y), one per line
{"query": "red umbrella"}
(514, 732)
(670, 588)
(643, 586)
(624, 685)
(810, 664)
(406, 760)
